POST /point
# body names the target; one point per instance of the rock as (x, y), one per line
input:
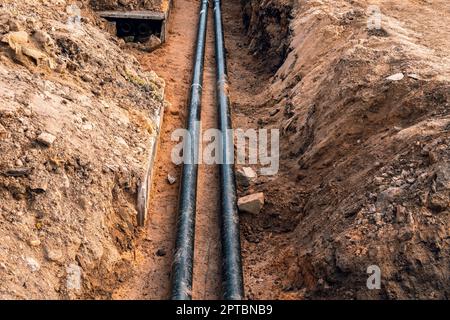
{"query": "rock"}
(33, 264)
(43, 39)
(413, 76)
(87, 126)
(274, 112)
(3, 132)
(4, 26)
(401, 215)
(171, 179)
(39, 182)
(54, 255)
(443, 177)
(161, 253)
(378, 180)
(154, 42)
(411, 180)
(390, 194)
(252, 203)
(121, 141)
(396, 77)
(46, 138)
(245, 175)
(18, 172)
(405, 234)
(19, 163)
(15, 25)
(124, 2)
(16, 39)
(439, 202)
(34, 242)
(87, 78)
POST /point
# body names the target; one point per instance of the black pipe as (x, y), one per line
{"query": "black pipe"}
(233, 284)
(184, 246)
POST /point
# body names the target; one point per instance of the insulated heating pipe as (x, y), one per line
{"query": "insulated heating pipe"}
(232, 278)
(184, 246)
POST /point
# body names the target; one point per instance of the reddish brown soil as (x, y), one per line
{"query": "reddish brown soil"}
(173, 62)
(361, 156)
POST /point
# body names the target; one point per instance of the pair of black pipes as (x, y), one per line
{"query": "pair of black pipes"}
(182, 274)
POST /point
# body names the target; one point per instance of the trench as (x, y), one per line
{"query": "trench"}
(153, 256)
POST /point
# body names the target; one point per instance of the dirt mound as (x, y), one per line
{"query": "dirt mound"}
(76, 116)
(364, 180)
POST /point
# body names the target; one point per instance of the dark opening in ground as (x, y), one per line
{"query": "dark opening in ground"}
(136, 26)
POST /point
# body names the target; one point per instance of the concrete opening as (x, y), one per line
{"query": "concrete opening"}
(137, 26)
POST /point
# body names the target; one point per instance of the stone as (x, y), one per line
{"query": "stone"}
(401, 214)
(414, 76)
(378, 180)
(18, 172)
(171, 179)
(39, 182)
(252, 203)
(274, 112)
(15, 39)
(33, 264)
(43, 39)
(411, 180)
(87, 126)
(153, 43)
(396, 77)
(15, 25)
(439, 202)
(3, 131)
(443, 177)
(34, 242)
(122, 142)
(390, 194)
(87, 78)
(54, 255)
(245, 176)
(46, 139)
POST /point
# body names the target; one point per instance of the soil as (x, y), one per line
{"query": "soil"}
(360, 154)
(68, 209)
(364, 178)
(174, 62)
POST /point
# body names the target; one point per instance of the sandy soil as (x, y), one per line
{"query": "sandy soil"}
(361, 155)
(364, 172)
(174, 62)
(68, 206)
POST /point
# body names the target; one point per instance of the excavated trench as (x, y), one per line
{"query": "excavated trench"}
(173, 62)
(363, 181)
(358, 177)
